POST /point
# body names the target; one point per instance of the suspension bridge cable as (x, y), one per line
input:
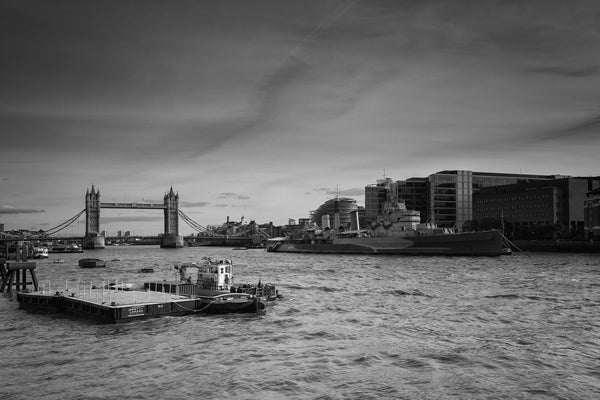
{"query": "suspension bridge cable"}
(190, 222)
(68, 222)
(63, 225)
(263, 233)
(201, 228)
(196, 225)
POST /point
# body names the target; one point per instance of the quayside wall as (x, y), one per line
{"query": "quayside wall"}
(557, 246)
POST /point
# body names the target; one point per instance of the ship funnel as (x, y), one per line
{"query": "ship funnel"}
(325, 222)
(354, 225)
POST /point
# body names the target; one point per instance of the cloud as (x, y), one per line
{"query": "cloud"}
(582, 130)
(193, 204)
(14, 210)
(246, 93)
(352, 192)
(230, 195)
(341, 192)
(574, 72)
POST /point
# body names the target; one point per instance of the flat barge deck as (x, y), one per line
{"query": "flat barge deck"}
(266, 292)
(118, 306)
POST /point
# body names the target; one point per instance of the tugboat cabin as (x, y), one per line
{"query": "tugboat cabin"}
(212, 274)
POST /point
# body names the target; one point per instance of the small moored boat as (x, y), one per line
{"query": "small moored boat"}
(61, 248)
(40, 252)
(91, 263)
(146, 270)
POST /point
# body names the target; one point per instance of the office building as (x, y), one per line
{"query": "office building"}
(591, 217)
(530, 204)
(443, 198)
(375, 197)
(413, 192)
(450, 193)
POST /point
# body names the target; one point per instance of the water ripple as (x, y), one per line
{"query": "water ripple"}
(349, 327)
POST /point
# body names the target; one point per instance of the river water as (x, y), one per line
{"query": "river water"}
(348, 327)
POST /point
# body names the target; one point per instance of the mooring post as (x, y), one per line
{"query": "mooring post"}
(17, 273)
(3, 271)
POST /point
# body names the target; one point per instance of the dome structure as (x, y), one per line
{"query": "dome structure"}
(343, 206)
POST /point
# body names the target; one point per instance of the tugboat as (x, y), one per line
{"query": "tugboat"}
(215, 277)
(214, 289)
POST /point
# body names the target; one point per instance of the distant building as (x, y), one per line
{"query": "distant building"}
(592, 214)
(271, 230)
(531, 204)
(375, 197)
(444, 198)
(414, 193)
(450, 193)
(303, 221)
(337, 212)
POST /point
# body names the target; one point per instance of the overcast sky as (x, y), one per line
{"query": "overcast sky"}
(263, 108)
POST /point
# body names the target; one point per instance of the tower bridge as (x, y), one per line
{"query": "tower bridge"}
(169, 239)
(170, 207)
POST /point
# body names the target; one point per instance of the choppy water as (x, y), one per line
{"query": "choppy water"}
(349, 327)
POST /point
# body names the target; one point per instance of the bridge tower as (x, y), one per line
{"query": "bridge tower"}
(92, 240)
(171, 237)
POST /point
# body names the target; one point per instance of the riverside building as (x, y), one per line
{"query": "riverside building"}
(337, 212)
(376, 195)
(444, 198)
(530, 204)
(591, 215)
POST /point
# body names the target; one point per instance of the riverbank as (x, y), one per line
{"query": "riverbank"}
(558, 246)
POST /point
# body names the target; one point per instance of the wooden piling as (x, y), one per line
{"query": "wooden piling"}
(15, 272)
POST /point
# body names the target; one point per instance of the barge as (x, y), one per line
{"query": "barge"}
(212, 293)
(119, 306)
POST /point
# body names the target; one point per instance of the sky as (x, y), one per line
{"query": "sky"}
(265, 109)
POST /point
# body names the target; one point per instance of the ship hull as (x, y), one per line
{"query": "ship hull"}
(487, 243)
